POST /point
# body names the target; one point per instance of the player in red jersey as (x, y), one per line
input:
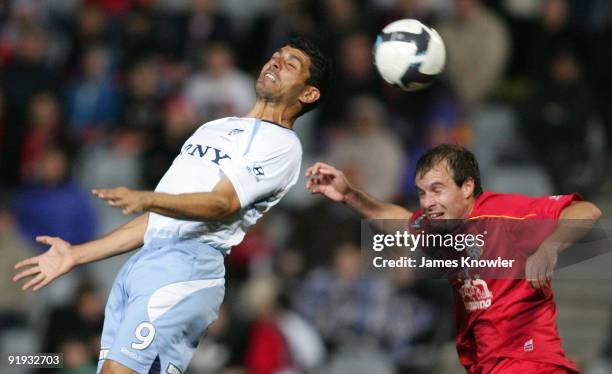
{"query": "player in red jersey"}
(503, 325)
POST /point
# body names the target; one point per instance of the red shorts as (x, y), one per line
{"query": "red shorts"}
(513, 366)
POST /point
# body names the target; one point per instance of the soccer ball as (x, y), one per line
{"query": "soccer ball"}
(408, 54)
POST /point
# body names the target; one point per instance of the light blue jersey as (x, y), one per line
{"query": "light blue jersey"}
(261, 159)
(170, 291)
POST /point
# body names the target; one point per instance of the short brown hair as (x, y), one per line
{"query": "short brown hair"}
(460, 161)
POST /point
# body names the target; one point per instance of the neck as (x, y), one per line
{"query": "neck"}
(274, 112)
(469, 208)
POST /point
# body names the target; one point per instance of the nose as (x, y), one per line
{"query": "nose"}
(428, 201)
(275, 63)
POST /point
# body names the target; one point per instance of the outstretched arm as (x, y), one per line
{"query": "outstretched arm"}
(62, 256)
(222, 201)
(575, 221)
(333, 184)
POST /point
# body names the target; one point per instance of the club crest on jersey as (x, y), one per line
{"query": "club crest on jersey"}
(234, 132)
(475, 294)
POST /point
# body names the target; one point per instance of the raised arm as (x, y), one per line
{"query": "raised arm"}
(333, 184)
(62, 256)
(575, 221)
(222, 201)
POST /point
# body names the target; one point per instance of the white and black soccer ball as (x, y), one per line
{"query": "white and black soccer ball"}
(409, 54)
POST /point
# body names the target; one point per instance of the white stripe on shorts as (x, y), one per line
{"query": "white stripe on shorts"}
(168, 296)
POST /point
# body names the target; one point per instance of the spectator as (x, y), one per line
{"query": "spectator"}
(76, 328)
(556, 124)
(267, 351)
(138, 36)
(45, 129)
(353, 308)
(117, 159)
(115, 7)
(221, 90)
(417, 9)
(271, 29)
(251, 256)
(77, 356)
(89, 27)
(206, 24)
(143, 108)
(598, 69)
(356, 76)
(2, 127)
(93, 100)
(53, 194)
(551, 32)
(27, 74)
(179, 123)
(474, 36)
(279, 340)
(367, 145)
(338, 18)
(221, 347)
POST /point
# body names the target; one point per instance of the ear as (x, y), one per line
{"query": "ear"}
(467, 189)
(310, 95)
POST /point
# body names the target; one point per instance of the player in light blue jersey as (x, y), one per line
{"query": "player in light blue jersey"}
(227, 174)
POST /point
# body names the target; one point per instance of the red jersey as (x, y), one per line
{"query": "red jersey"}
(507, 318)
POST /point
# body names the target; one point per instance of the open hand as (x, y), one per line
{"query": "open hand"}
(131, 201)
(57, 261)
(328, 181)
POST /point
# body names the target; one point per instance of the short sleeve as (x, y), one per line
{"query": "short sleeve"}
(258, 177)
(550, 207)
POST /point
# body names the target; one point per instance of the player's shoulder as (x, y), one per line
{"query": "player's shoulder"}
(516, 205)
(493, 197)
(491, 203)
(274, 138)
(278, 131)
(225, 122)
(490, 197)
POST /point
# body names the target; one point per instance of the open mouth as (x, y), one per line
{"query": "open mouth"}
(434, 215)
(270, 77)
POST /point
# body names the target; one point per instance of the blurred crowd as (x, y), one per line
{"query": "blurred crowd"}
(102, 93)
